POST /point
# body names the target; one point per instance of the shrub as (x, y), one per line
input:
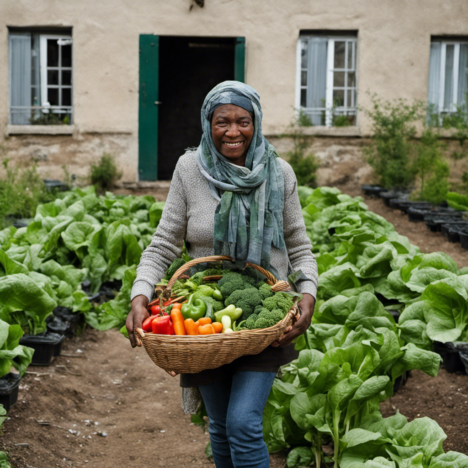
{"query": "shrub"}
(104, 174)
(391, 150)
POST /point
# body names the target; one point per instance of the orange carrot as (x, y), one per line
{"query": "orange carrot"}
(178, 321)
(191, 327)
(218, 327)
(204, 321)
(206, 329)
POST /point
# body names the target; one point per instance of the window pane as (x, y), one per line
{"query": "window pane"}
(339, 54)
(67, 55)
(52, 96)
(35, 94)
(66, 77)
(339, 79)
(463, 74)
(66, 97)
(303, 98)
(351, 79)
(350, 64)
(52, 77)
(448, 77)
(350, 102)
(303, 54)
(52, 53)
(338, 98)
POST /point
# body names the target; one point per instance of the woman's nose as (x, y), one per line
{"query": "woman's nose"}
(233, 131)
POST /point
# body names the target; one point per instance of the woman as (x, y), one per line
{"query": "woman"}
(233, 196)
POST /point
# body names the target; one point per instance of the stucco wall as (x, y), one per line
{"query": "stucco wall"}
(393, 58)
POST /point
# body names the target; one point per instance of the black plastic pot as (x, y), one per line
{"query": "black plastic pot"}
(73, 320)
(400, 381)
(395, 314)
(435, 222)
(374, 190)
(57, 325)
(452, 230)
(9, 384)
(52, 184)
(392, 195)
(405, 205)
(450, 356)
(464, 239)
(416, 214)
(46, 345)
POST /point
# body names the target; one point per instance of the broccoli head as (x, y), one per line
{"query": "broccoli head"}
(267, 318)
(217, 305)
(250, 322)
(213, 272)
(265, 290)
(233, 281)
(176, 264)
(245, 299)
(279, 301)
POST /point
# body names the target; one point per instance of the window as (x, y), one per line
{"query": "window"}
(448, 76)
(40, 78)
(326, 79)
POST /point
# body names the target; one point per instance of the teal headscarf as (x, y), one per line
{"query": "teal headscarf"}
(249, 218)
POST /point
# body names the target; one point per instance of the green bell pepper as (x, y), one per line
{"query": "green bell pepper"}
(194, 309)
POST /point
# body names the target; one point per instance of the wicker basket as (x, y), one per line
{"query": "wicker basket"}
(190, 354)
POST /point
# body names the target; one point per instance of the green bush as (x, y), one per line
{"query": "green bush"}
(390, 152)
(104, 174)
(21, 191)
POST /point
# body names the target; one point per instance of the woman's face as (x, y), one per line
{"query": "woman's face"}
(232, 130)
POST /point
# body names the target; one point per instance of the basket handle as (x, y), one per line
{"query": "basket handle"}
(136, 332)
(271, 280)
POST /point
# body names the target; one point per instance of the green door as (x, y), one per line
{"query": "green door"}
(148, 112)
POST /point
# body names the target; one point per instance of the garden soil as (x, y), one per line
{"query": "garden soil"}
(103, 405)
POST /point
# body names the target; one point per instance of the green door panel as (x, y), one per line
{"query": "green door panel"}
(239, 60)
(148, 108)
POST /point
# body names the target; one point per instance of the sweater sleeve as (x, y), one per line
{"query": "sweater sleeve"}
(167, 241)
(298, 244)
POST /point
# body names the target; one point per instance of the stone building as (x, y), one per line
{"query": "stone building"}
(83, 78)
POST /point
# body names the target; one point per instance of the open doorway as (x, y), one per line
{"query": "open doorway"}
(189, 67)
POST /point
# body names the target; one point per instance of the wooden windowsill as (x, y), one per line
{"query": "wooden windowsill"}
(318, 131)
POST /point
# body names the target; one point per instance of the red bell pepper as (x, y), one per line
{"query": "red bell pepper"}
(156, 310)
(162, 325)
(147, 327)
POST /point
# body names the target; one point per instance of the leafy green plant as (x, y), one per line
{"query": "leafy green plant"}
(431, 168)
(390, 151)
(303, 163)
(21, 191)
(104, 174)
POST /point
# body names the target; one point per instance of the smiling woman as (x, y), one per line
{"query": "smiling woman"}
(233, 196)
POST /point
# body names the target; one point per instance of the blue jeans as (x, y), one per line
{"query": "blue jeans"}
(235, 409)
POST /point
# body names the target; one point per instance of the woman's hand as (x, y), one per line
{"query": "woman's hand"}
(138, 314)
(307, 305)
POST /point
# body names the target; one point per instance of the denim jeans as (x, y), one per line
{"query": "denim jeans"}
(235, 409)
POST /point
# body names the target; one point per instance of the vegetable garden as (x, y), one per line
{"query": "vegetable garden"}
(381, 307)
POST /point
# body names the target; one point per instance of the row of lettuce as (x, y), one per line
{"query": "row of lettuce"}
(325, 407)
(79, 236)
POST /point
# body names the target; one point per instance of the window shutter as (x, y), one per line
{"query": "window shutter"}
(316, 76)
(463, 75)
(20, 78)
(239, 60)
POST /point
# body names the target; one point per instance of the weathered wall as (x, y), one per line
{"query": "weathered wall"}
(393, 58)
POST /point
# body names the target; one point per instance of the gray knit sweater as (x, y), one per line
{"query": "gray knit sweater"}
(189, 215)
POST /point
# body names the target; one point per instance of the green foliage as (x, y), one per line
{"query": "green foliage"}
(431, 168)
(21, 191)
(304, 164)
(104, 174)
(391, 150)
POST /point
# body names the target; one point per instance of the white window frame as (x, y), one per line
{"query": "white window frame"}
(44, 69)
(347, 110)
(456, 64)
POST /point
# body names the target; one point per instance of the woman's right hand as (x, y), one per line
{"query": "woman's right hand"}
(138, 314)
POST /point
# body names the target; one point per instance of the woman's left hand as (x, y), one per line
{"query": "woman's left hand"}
(307, 305)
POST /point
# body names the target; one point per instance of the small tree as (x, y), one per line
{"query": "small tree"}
(390, 151)
(104, 174)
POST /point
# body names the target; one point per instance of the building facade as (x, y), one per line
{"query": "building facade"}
(79, 79)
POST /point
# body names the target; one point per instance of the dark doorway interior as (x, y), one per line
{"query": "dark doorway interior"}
(189, 67)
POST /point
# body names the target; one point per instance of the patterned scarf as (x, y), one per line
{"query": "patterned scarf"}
(249, 217)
